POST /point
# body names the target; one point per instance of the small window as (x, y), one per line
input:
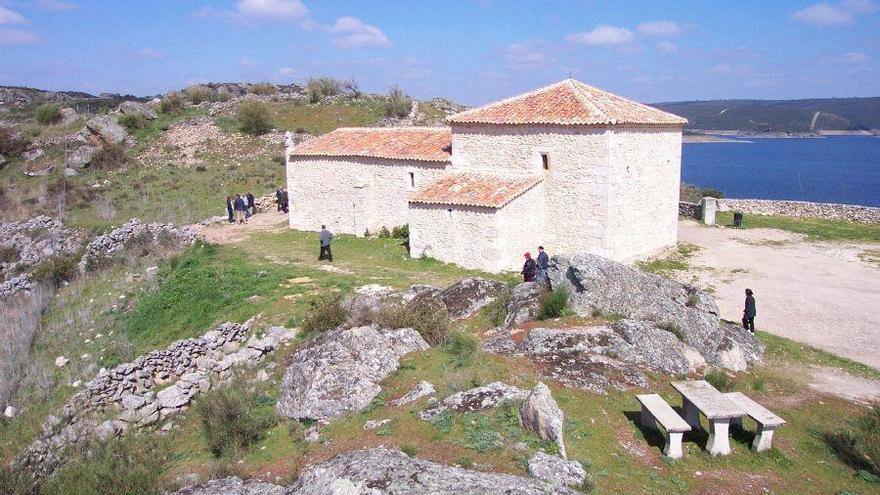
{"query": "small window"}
(545, 161)
(412, 180)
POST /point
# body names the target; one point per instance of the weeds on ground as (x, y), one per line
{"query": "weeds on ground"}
(816, 229)
(719, 379)
(554, 304)
(48, 113)
(496, 311)
(429, 318)
(326, 313)
(859, 445)
(463, 346)
(233, 417)
(675, 261)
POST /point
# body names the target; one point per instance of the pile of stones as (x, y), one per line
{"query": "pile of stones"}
(34, 241)
(128, 393)
(134, 231)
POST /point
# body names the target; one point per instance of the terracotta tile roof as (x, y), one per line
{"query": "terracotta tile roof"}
(402, 143)
(568, 102)
(474, 189)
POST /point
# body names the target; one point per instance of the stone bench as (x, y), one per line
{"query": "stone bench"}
(766, 420)
(656, 410)
(698, 397)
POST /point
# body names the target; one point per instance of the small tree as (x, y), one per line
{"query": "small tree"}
(322, 87)
(133, 121)
(264, 89)
(397, 104)
(199, 94)
(172, 103)
(254, 117)
(48, 113)
(352, 89)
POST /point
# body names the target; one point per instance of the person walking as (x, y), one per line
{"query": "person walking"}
(325, 237)
(749, 312)
(229, 208)
(240, 209)
(279, 195)
(251, 203)
(529, 268)
(543, 261)
(284, 199)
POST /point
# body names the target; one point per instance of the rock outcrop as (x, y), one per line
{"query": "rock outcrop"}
(384, 471)
(557, 471)
(107, 246)
(467, 296)
(233, 486)
(541, 415)
(423, 389)
(30, 242)
(82, 157)
(524, 305)
(104, 129)
(601, 286)
(475, 399)
(135, 107)
(339, 371)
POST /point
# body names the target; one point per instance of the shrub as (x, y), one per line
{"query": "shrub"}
(48, 113)
(463, 346)
(110, 157)
(172, 103)
(496, 311)
(133, 121)
(758, 383)
(199, 94)
(264, 89)
(397, 104)
(254, 117)
(429, 318)
(12, 143)
(410, 449)
(233, 417)
(57, 270)
(384, 233)
(712, 193)
(400, 232)
(719, 380)
(326, 314)
(352, 89)
(322, 87)
(554, 304)
(9, 254)
(130, 465)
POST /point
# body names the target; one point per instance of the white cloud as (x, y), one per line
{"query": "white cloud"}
(271, 10)
(526, 56)
(247, 62)
(719, 69)
(602, 35)
(57, 5)
(10, 17)
(287, 71)
(661, 29)
(667, 47)
(351, 32)
(17, 37)
(854, 57)
(823, 14)
(149, 54)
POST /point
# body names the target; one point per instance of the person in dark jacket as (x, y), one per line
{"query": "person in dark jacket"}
(251, 204)
(229, 209)
(325, 237)
(284, 200)
(279, 195)
(529, 268)
(240, 209)
(543, 261)
(749, 312)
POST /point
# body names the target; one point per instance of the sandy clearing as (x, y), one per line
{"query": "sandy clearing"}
(818, 293)
(837, 382)
(229, 233)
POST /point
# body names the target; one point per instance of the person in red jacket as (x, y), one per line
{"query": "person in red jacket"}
(530, 268)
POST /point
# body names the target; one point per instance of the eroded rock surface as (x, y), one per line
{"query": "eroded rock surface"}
(232, 486)
(475, 399)
(339, 371)
(467, 296)
(601, 286)
(541, 415)
(556, 470)
(383, 471)
(423, 389)
(104, 129)
(524, 305)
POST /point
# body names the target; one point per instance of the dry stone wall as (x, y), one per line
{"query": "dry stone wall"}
(132, 232)
(803, 209)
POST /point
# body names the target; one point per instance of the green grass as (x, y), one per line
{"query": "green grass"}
(321, 118)
(788, 350)
(675, 261)
(816, 229)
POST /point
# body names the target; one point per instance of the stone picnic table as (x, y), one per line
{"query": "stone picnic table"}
(699, 396)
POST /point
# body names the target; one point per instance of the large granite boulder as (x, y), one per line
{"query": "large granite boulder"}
(524, 305)
(599, 286)
(467, 296)
(136, 107)
(82, 157)
(541, 415)
(232, 486)
(340, 370)
(475, 399)
(106, 130)
(557, 471)
(383, 471)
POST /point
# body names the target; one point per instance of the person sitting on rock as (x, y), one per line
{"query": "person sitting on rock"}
(529, 268)
(749, 312)
(251, 203)
(240, 209)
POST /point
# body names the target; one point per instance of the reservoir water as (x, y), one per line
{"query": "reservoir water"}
(838, 169)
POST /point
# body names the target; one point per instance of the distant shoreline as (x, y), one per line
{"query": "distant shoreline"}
(698, 136)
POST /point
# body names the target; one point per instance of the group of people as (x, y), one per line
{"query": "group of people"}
(240, 208)
(536, 271)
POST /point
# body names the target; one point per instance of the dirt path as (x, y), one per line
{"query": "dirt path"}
(228, 233)
(818, 293)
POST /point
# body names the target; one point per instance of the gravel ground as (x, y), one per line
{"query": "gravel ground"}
(818, 293)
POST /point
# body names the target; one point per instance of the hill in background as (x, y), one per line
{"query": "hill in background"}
(843, 114)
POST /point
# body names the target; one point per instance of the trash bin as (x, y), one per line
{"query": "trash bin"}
(737, 219)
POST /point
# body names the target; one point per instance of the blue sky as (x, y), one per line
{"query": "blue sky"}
(473, 51)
